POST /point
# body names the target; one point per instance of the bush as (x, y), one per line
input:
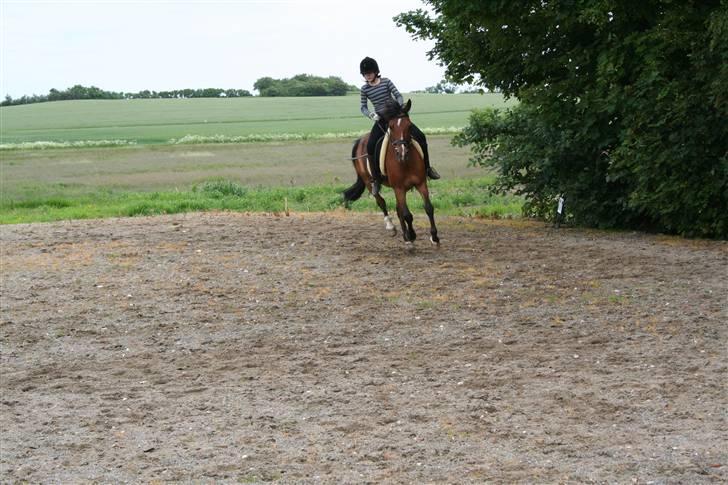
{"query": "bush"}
(221, 188)
(623, 106)
(543, 159)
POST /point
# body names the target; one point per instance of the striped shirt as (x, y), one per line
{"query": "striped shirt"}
(379, 95)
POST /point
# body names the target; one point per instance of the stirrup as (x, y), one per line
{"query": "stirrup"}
(432, 173)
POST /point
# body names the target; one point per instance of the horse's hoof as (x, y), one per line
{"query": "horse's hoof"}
(409, 246)
(393, 232)
(434, 243)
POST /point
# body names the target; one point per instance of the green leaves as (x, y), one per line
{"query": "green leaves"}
(302, 85)
(623, 105)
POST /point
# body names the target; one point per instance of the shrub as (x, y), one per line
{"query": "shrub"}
(623, 106)
(220, 188)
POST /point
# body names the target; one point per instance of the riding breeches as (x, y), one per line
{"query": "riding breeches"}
(374, 136)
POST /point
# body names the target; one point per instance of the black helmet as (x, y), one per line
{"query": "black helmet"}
(368, 65)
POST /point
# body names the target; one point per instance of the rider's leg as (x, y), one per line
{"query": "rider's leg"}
(374, 136)
(422, 140)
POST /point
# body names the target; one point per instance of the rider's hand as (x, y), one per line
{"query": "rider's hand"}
(374, 116)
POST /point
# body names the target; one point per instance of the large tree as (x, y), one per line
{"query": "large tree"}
(302, 85)
(624, 105)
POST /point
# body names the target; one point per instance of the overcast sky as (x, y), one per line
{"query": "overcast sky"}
(131, 45)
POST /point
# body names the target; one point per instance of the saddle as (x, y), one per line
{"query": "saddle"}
(380, 152)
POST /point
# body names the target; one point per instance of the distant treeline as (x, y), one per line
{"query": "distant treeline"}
(303, 85)
(82, 92)
(300, 85)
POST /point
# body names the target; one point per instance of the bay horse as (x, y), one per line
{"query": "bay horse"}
(404, 169)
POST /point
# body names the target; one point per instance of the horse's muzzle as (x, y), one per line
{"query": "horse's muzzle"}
(401, 149)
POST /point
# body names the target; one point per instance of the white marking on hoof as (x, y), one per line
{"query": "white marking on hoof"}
(388, 224)
(434, 243)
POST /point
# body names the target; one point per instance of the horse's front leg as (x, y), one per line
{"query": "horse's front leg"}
(387, 220)
(430, 210)
(405, 216)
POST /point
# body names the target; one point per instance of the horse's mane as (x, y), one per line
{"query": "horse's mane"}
(391, 109)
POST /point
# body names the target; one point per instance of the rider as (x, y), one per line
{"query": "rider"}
(378, 90)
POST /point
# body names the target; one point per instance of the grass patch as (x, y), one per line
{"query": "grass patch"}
(220, 188)
(210, 139)
(45, 145)
(56, 203)
(454, 197)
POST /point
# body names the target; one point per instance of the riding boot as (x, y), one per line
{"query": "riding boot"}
(376, 176)
(431, 172)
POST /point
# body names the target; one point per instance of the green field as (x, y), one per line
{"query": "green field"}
(154, 121)
(153, 176)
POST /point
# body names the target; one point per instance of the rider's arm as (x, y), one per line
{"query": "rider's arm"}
(395, 94)
(364, 107)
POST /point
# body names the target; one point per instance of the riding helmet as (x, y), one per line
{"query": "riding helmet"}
(368, 65)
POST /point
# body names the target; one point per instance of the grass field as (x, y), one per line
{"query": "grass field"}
(47, 185)
(154, 121)
(458, 197)
(153, 176)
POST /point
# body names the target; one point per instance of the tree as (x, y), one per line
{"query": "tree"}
(302, 85)
(263, 83)
(237, 93)
(209, 93)
(81, 92)
(443, 87)
(622, 104)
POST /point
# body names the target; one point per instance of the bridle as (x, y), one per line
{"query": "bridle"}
(401, 145)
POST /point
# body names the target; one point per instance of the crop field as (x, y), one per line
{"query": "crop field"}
(244, 154)
(161, 120)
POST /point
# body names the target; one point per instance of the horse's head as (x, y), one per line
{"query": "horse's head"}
(397, 118)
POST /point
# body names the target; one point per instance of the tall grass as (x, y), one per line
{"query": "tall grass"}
(44, 145)
(211, 139)
(458, 197)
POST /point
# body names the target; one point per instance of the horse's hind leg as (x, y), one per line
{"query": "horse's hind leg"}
(387, 220)
(405, 216)
(430, 210)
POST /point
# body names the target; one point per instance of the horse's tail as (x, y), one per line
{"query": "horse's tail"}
(354, 192)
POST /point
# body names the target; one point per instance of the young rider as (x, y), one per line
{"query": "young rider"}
(378, 90)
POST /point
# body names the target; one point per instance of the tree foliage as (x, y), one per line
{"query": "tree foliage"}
(623, 104)
(443, 87)
(303, 85)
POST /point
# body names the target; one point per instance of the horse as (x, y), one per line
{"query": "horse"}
(404, 167)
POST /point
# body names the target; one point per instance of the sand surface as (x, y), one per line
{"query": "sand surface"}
(251, 348)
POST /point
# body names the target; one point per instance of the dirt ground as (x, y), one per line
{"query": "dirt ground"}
(252, 348)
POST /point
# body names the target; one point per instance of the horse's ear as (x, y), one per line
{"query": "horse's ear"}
(407, 106)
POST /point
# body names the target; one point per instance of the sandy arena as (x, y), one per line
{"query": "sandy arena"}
(235, 348)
